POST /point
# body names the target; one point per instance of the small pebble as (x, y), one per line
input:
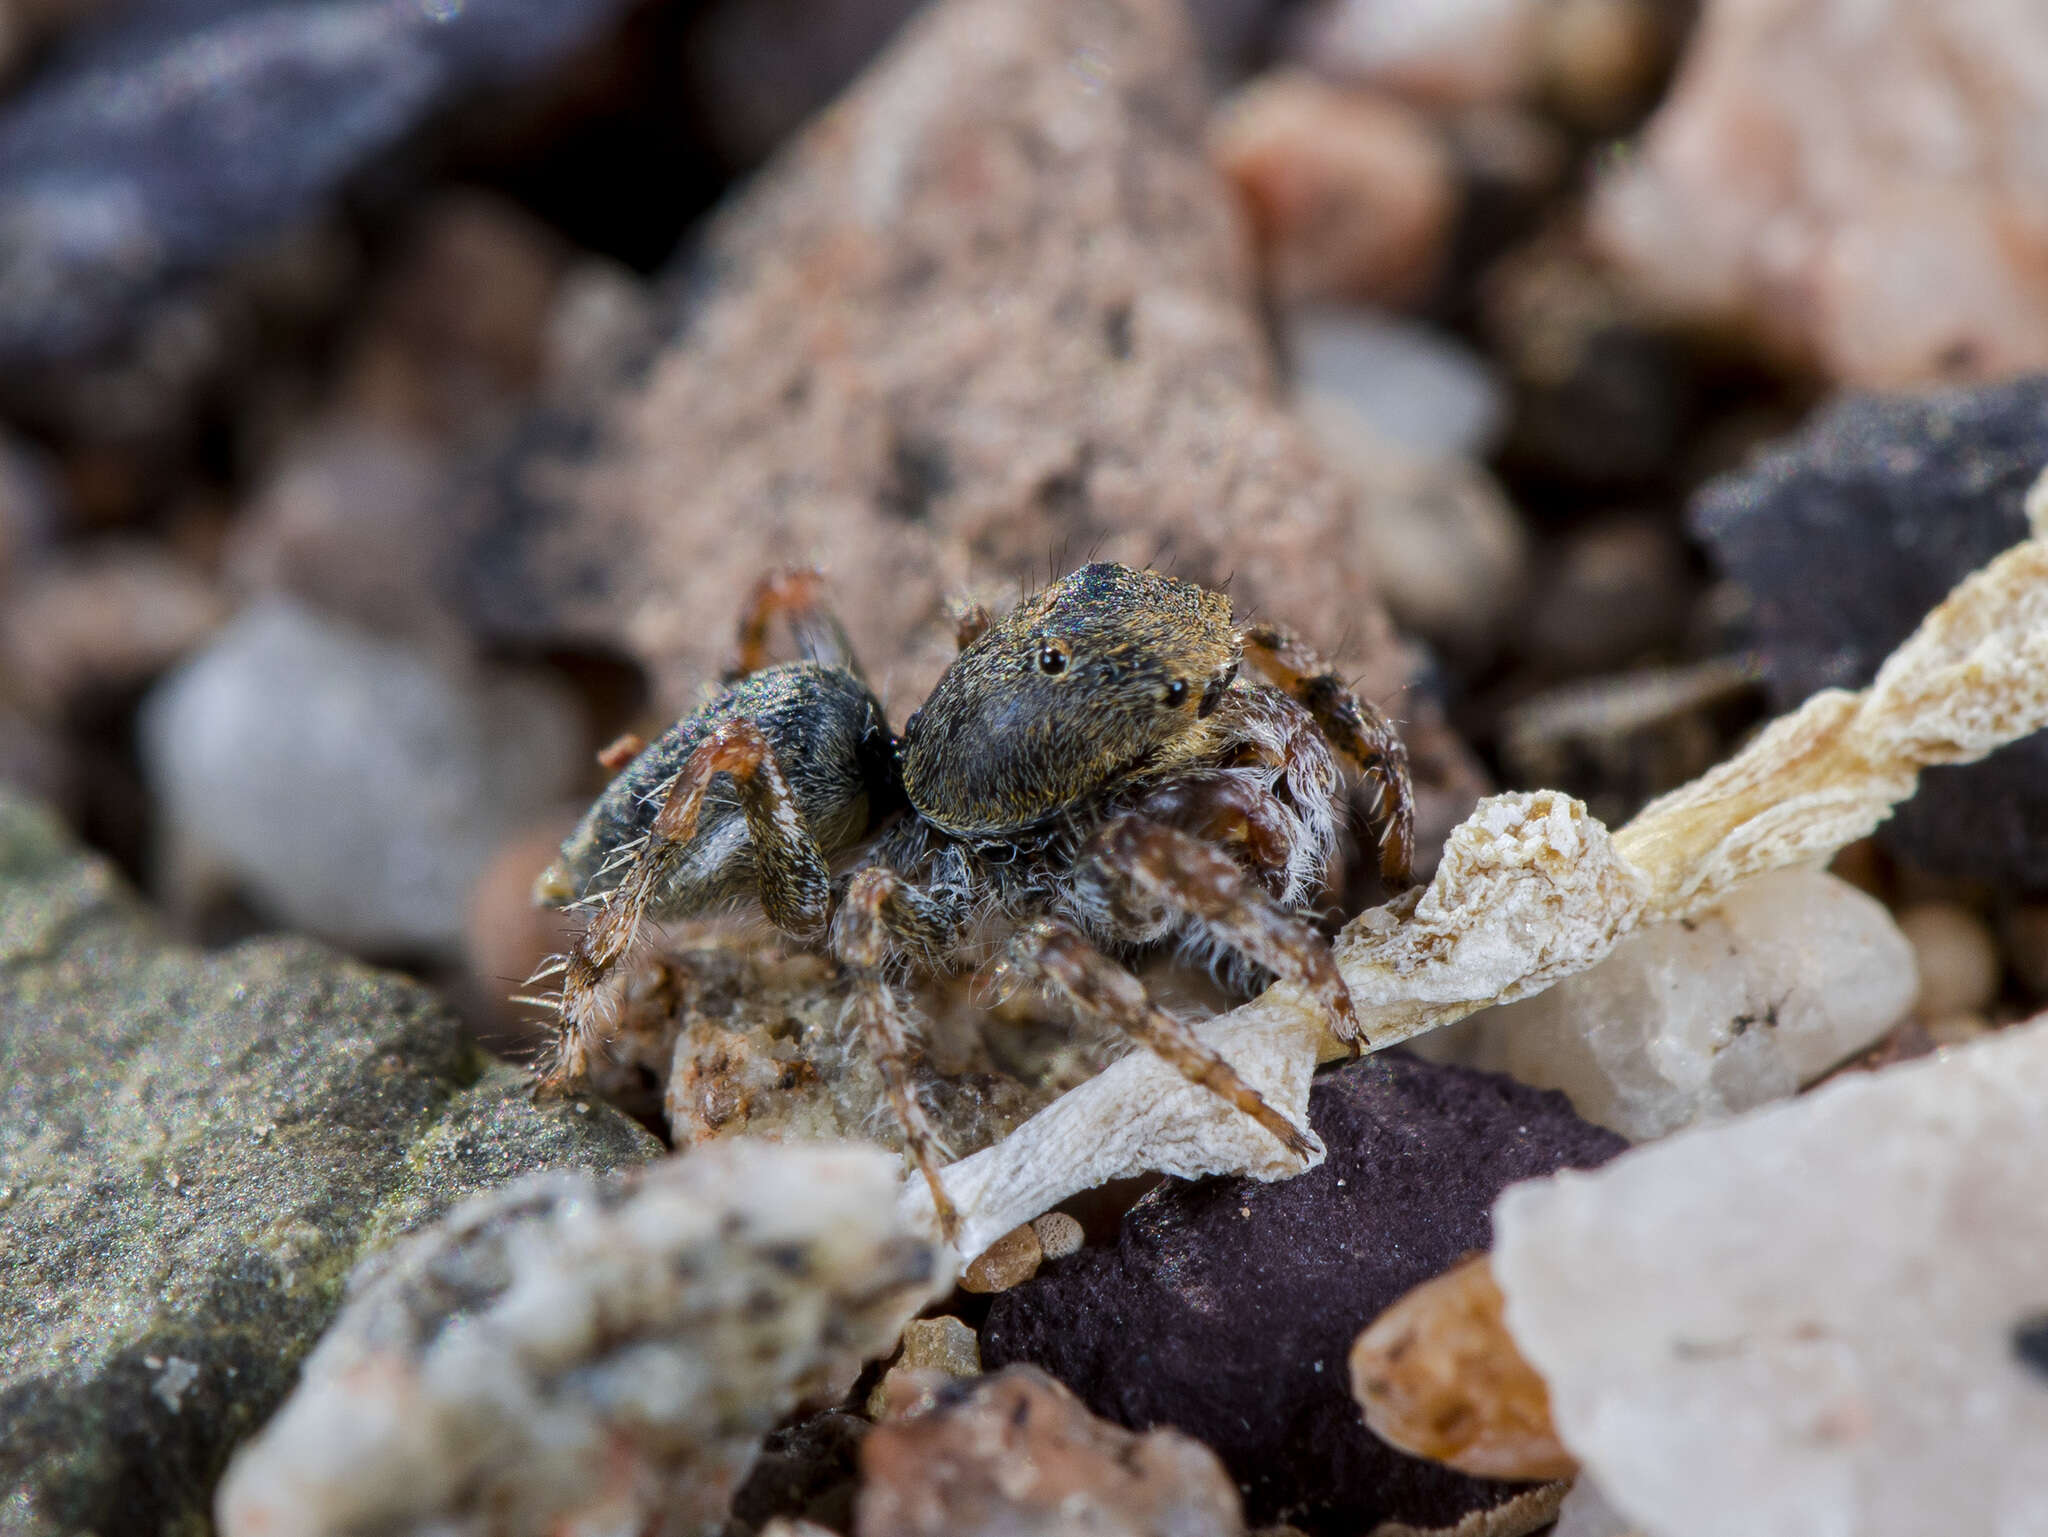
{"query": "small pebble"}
(1010, 1261)
(353, 787)
(1957, 957)
(1058, 1234)
(1351, 194)
(103, 621)
(944, 1343)
(1618, 590)
(1418, 387)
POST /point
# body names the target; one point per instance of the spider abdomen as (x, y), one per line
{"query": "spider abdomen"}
(833, 746)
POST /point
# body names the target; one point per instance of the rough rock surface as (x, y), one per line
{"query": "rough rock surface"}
(1845, 535)
(179, 132)
(989, 315)
(1793, 974)
(1859, 181)
(1814, 1319)
(1228, 1308)
(1016, 1455)
(578, 1353)
(194, 1149)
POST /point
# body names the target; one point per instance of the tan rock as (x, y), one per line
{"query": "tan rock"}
(1020, 1456)
(1438, 1375)
(1010, 1261)
(1351, 193)
(1855, 182)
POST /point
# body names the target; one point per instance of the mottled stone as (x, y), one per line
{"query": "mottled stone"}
(1845, 535)
(578, 1352)
(1016, 1455)
(178, 133)
(1855, 182)
(195, 1149)
(1228, 1308)
(1816, 1318)
(992, 311)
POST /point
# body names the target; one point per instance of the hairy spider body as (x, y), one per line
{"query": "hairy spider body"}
(1091, 777)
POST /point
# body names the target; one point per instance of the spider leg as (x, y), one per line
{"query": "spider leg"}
(1355, 728)
(794, 881)
(1059, 959)
(880, 915)
(1162, 866)
(794, 594)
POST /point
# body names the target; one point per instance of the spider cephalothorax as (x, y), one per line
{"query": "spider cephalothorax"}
(1091, 774)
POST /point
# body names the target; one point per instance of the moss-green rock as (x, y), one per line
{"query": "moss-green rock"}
(195, 1149)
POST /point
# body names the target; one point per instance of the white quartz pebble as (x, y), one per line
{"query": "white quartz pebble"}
(1687, 1021)
(1828, 1318)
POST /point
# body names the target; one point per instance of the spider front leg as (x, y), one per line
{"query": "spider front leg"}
(880, 917)
(790, 871)
(1147, 866)
(1354, 728)
(1058, 958)
(792, 593)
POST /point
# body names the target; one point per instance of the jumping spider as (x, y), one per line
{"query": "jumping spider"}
(1090, 774)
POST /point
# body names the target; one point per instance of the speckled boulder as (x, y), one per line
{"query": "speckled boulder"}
(1844, 535)
(1226, 1308)
(195, 1149)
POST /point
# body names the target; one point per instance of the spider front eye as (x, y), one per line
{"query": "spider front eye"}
(1051, 659)
(1176, 694)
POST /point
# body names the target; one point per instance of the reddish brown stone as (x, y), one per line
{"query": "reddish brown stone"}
(1017, 1455)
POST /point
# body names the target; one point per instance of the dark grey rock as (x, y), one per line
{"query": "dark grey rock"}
(1844, 535)
(195, 1149)
(1227, 1308)
(181, 132)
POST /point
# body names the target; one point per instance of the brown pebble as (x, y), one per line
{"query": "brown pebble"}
(1010, 1261)
(1957, 957)
(1058, 1234)
(1438, 1375)
(1352, 194)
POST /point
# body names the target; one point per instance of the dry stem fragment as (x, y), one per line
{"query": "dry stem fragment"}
(1533, 889)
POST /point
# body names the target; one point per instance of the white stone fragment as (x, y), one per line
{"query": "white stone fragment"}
(1806, 1322)
(355, 787)
(583, 1354)
(1742, 1005)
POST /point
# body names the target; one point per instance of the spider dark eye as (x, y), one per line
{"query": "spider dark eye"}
(1176, 693)
(1051, 659)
